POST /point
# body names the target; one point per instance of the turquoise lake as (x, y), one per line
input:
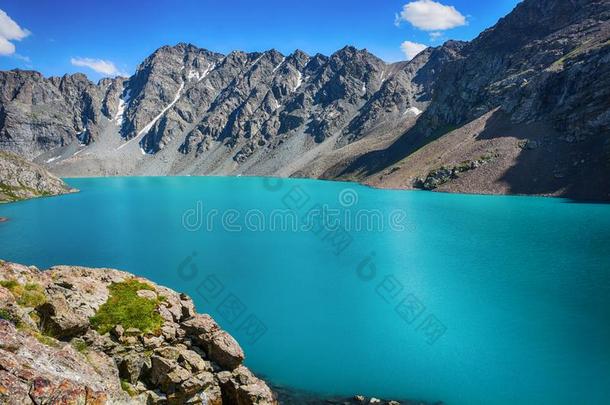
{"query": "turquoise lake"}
(456, 298)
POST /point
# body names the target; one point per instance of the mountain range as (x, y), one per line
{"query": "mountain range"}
(524, 108)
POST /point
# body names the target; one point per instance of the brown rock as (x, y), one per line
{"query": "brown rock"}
(188, 307)
(56, 374)
(167, 374)
(220, 347)
(134, 367)
(45, 391)
(148, 294)
(201, 324)
(196, 383)
(12, 390)
(118, 331)
(193, 362)
(152, 341)
(168, 331)
(59, 320)
(241, 387)
(168, 352)
(224, 350)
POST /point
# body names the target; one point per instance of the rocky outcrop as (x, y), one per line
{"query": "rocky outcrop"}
(59, 343)
(20, 179)
(445, 174)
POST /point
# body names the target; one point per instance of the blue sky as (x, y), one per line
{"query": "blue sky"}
(57, 37)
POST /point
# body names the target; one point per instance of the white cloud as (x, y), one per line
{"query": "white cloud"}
(435, 35)
(428, 15)
(22, 58)
(411, 49)
(104, 67)
(10, 31)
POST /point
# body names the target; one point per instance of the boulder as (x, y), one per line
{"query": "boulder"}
(241, 387)
(58, 319)
(198, 325)
(167, 374)
(118, 331)
(219, 346)
(196, 383)
(60, 375)
(12, 390)
(45, 391)
(224, 350)
(134, 367)
(188, 307)
(193, 362)
(148, 294)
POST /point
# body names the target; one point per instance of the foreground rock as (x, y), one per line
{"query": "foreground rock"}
(20, 179)
(58, 343)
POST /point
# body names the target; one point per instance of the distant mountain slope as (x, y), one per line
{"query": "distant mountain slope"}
(20, 180)
(187, 110)
(526, 104)
(533, 91)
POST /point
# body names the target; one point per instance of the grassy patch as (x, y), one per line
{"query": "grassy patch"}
(45, 340)
(79, 345)
(31, 295)
(4, 314)
(124, 307)
(10, 284)
(128, 388)
(42, 338)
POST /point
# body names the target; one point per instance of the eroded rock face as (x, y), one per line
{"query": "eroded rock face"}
(38, 114)
(50, 374)
(547, 60)
(52, 354)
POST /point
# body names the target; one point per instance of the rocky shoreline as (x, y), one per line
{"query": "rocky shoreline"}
(58, 343)
(288, 395)
(76, 335)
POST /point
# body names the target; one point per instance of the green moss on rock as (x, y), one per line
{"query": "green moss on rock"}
(124, 307)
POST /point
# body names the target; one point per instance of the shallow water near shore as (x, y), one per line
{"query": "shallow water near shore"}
(458, 298)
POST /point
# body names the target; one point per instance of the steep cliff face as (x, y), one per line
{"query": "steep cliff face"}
(20, 179)
(39, 114)
(538, 78)
(547, 60)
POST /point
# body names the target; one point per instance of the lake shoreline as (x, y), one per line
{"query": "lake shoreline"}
(357, 183)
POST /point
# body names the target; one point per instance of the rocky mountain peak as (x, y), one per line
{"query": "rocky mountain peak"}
(191, 110)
